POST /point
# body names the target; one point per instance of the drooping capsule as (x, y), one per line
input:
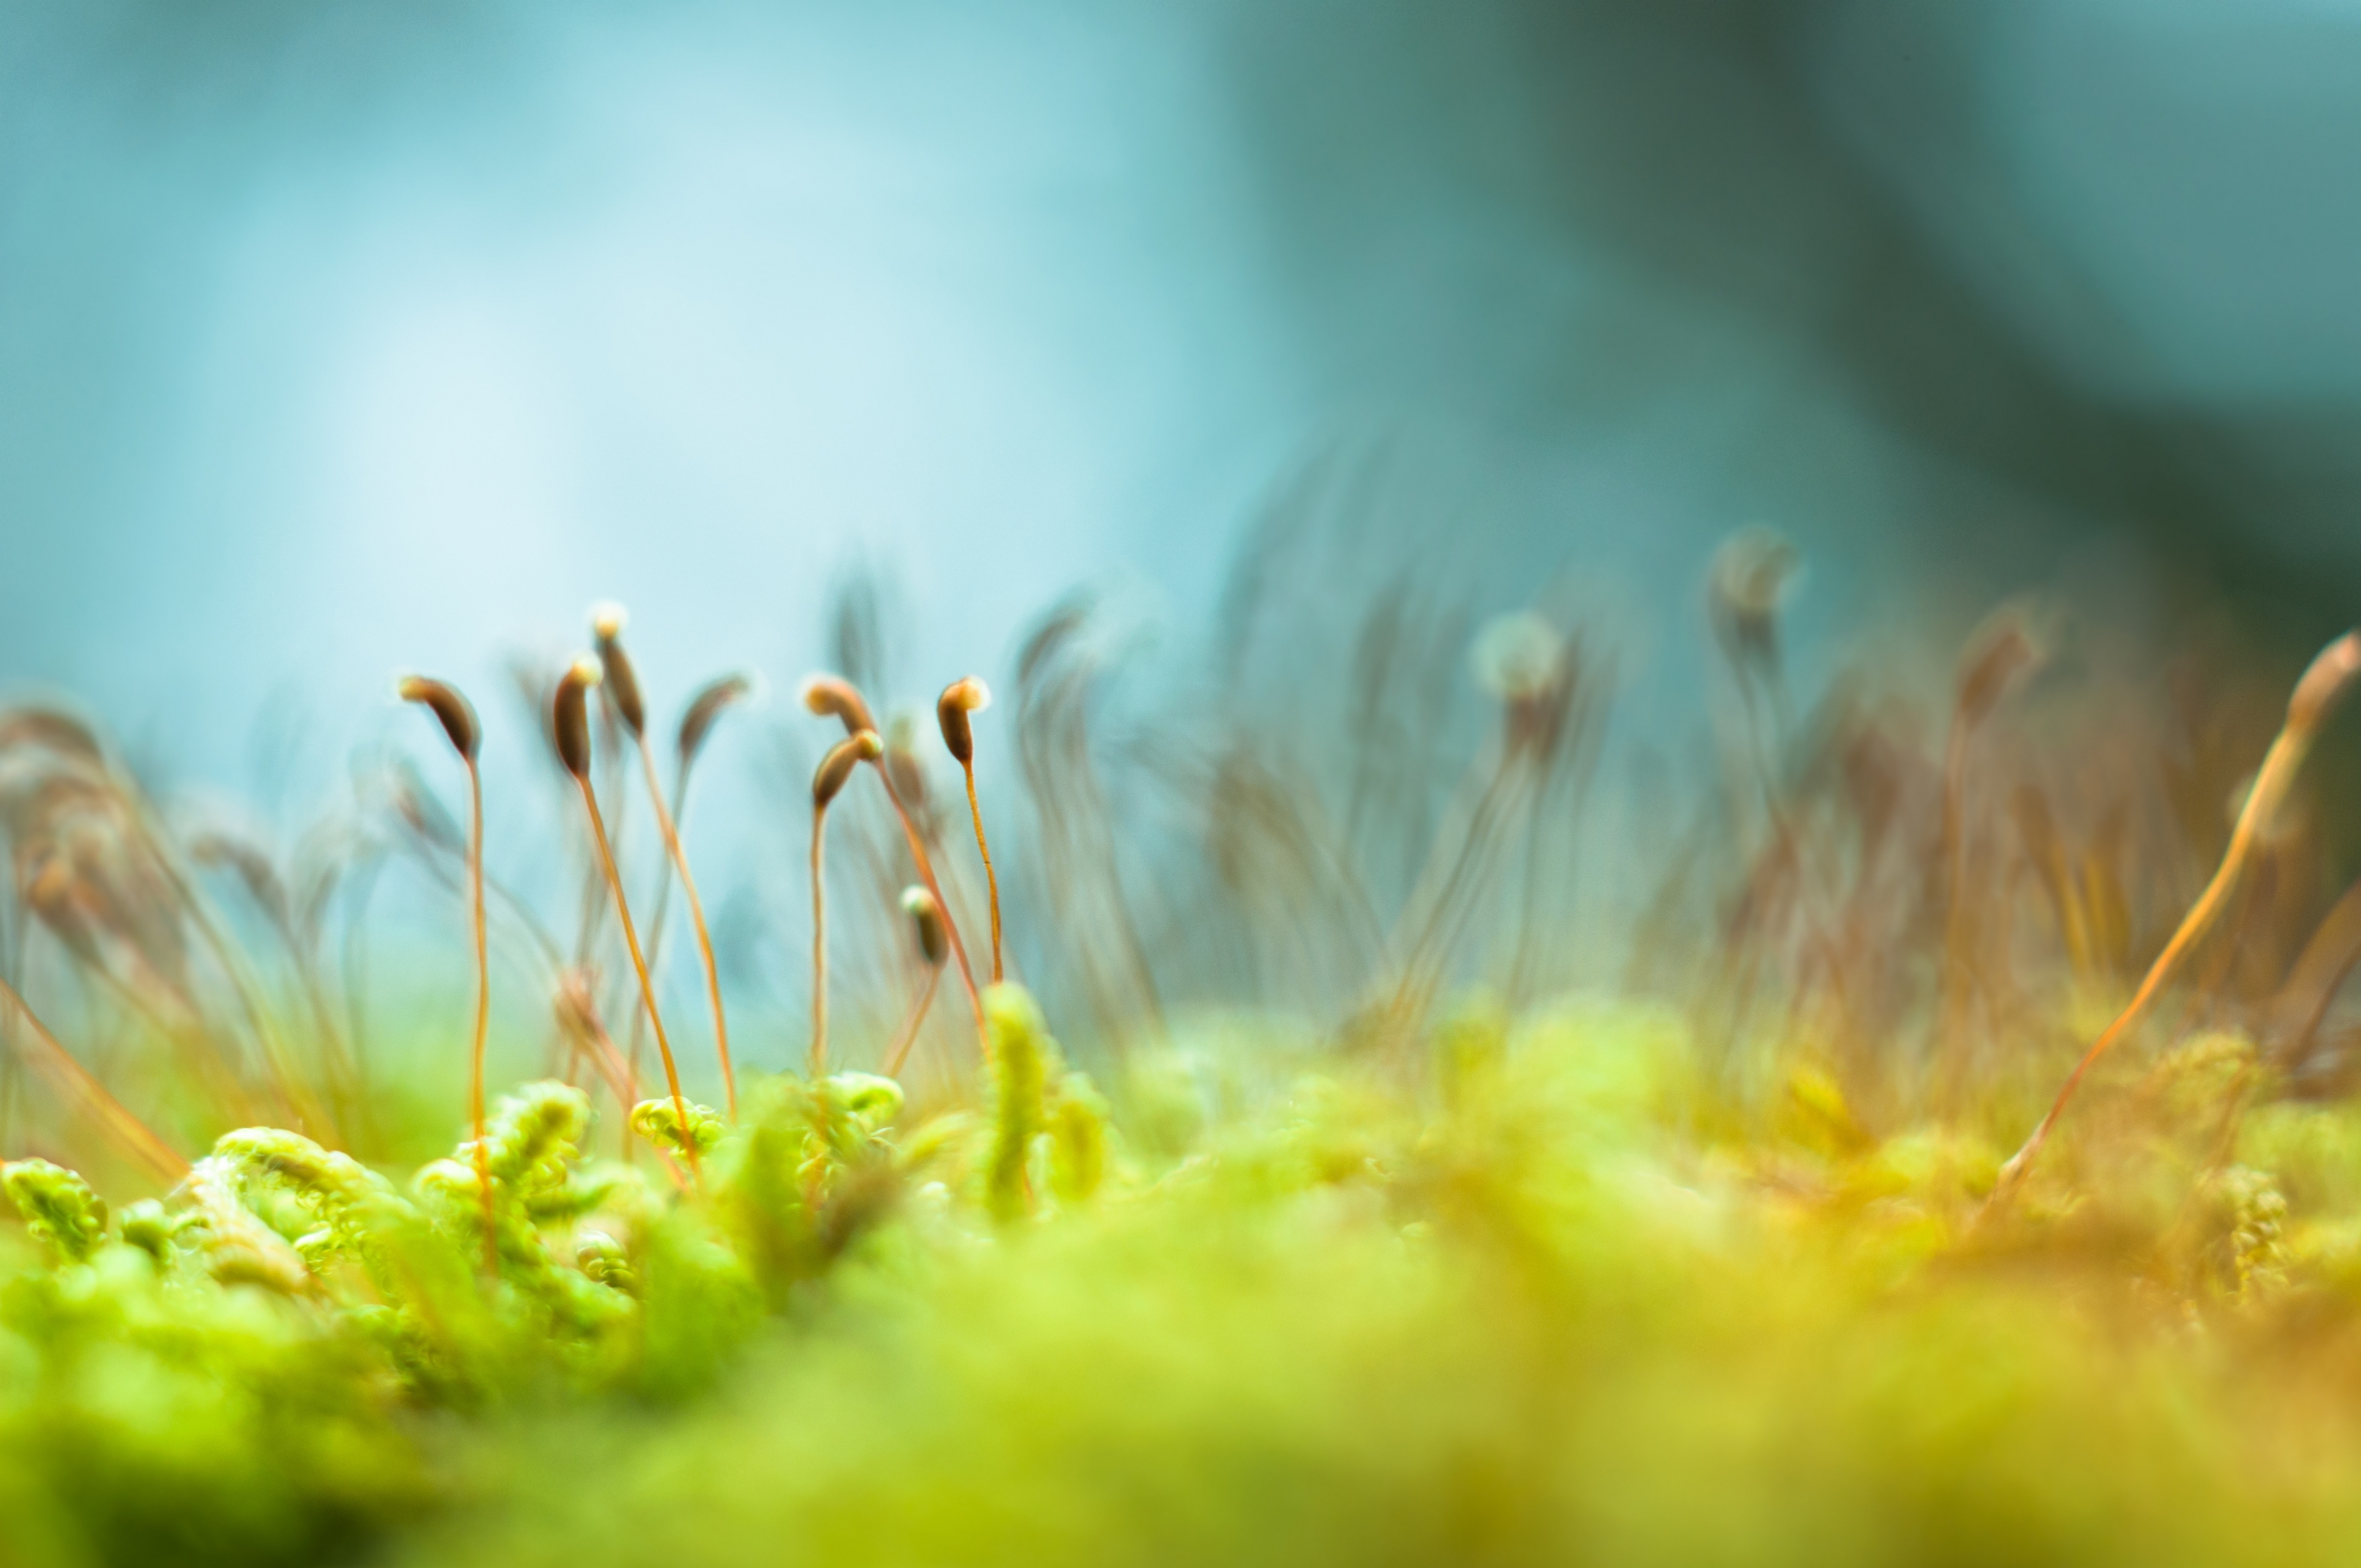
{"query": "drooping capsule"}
(607, 620)
(833, 697)
(2001, 652)
(451, 710)
(2329, 672)
(828, 778)
(927, 921)
(705, 708)
(569, 717)
(1749, 580)
(964, 697)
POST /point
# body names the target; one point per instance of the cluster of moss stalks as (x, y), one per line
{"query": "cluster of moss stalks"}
(1529, 1291)
(1569, 1285)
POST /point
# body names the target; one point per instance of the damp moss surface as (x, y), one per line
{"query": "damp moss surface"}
(1535, 1289)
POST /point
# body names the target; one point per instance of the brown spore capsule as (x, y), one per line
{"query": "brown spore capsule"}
(833, 697)
(1749, 581)
(828, 778)
(451, 710)
(927, 921)
(2330, 672)
(569, 717)
(705, 708)
(2259, 805)
(47, 730)
(2000, 652)
(961, 697)
(623, 681)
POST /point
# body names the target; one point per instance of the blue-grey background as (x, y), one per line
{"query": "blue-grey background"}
(337, 338)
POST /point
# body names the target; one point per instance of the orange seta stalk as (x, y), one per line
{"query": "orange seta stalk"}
(71, 1079)
(828, 781)
(818, 1058)
(697, 918)
(955, 713)
(621, 686)
(580, 1021)
(833, 696)
(2324, 682)
(990, 878)
(639, 964)
(934, 946)
(950, 928)
(457, 716)
(483, 1009)
(569, 730)
(907, 1035)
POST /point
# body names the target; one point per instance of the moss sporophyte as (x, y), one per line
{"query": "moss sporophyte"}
(1410, 1249)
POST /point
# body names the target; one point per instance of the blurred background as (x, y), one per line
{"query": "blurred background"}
(342, 338)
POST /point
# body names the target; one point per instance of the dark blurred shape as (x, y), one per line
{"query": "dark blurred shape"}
(1561, 215)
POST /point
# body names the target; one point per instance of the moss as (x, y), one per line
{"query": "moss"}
(1536, 1304)
(57, 1206)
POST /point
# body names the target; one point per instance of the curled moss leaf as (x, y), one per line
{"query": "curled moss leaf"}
(145, 1226)
(658, 1122)
(1022, 1052)
(237, 1247)
(531, 1140)
(606, 1261)
(607, 1186)
(296, 1160)
(1078, 1140)
(446, 1181)
(57, 1205)
(2255, 1216)
(322, 1200)
(869, 1100)
(533, 1134)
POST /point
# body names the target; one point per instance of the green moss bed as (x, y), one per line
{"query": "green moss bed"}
(1529, 1291)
